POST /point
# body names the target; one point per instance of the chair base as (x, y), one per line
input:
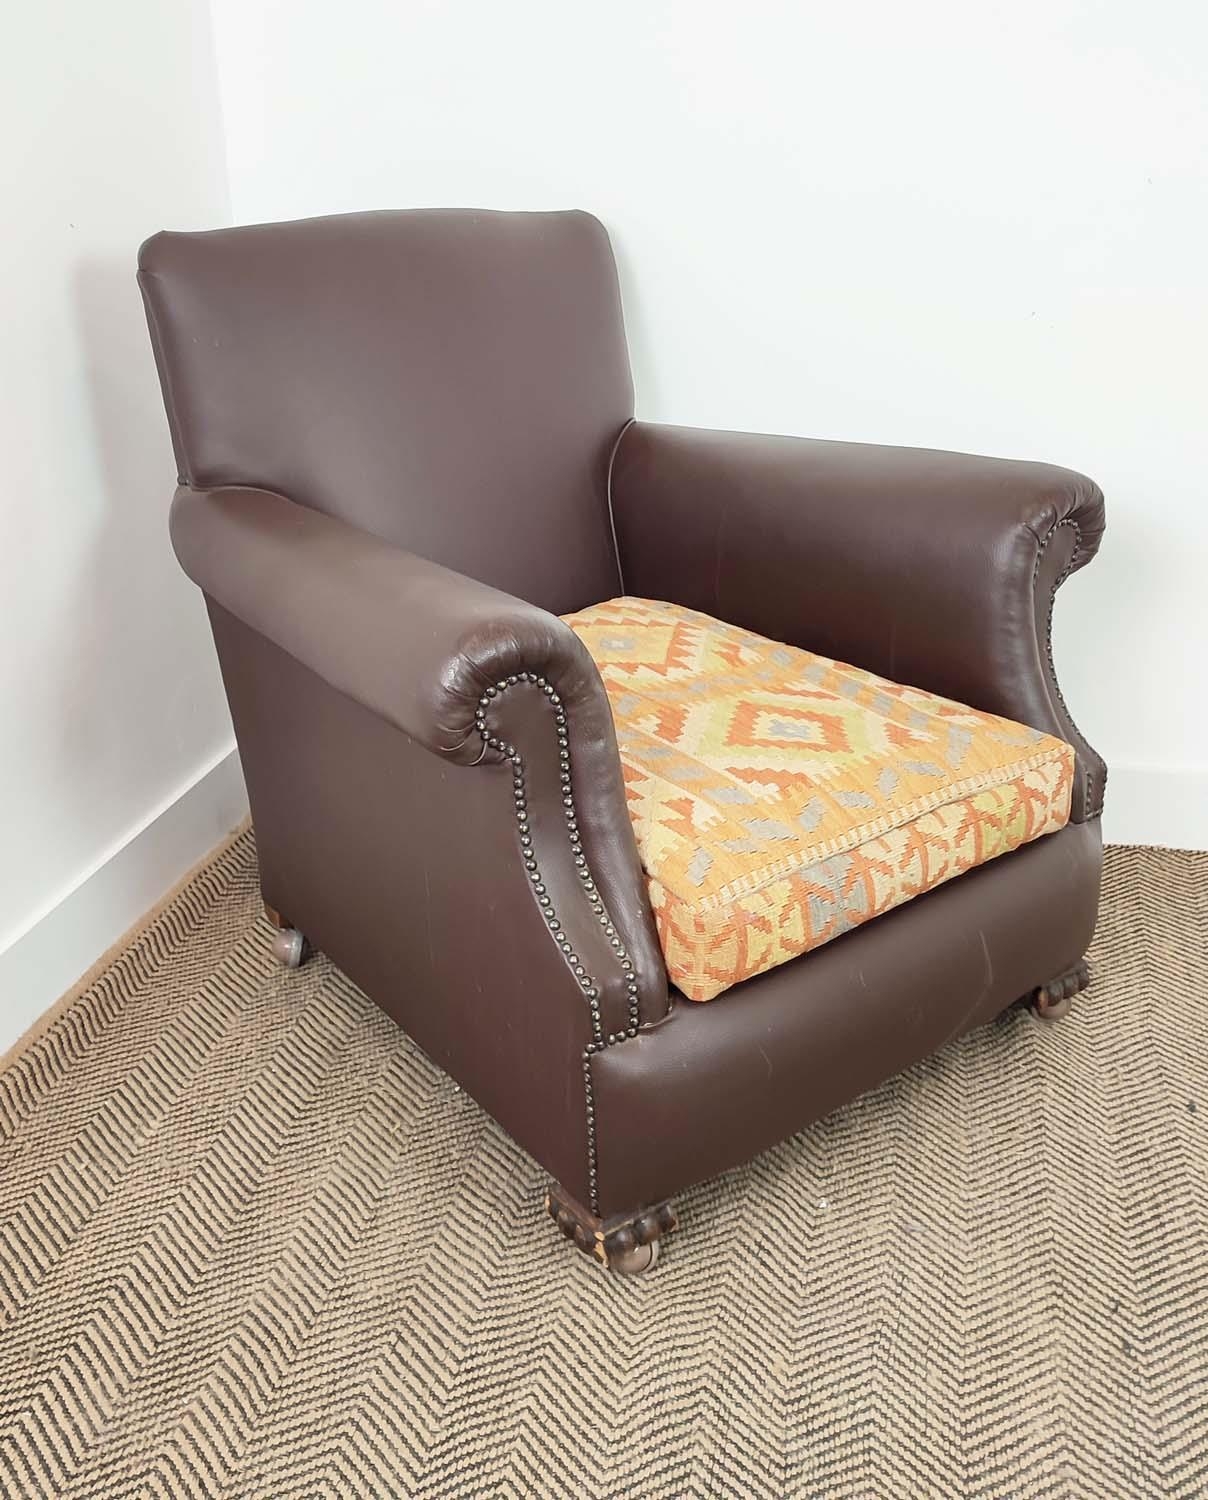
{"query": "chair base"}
(627, 1243)
(1054, 1000)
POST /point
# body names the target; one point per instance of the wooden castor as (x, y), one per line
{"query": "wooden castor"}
(289, 945)
(634, 1262)
(1054, 1000)
(626, 1243)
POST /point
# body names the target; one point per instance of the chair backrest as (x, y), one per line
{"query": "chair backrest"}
(448, 379)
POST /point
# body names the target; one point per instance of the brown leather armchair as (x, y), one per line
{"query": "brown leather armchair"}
(406, 445)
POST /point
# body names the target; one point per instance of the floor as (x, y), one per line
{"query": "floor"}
(242, 1253)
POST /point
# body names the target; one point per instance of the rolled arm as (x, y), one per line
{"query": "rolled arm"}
(429, 651)
(930, 568)
(412, 641)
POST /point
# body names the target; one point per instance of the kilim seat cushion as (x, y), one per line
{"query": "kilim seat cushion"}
(780, 798)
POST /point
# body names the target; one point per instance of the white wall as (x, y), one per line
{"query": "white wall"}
(110, 705)
(940, 224)
(968, 226)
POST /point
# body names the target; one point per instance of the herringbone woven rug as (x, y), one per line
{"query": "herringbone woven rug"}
(253, 1244)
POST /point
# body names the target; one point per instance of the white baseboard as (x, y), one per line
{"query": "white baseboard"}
(1157, 805)
(65, 940)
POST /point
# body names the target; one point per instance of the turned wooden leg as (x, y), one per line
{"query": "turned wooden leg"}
(289, 946)
(1052, 1001)
(628, 1243)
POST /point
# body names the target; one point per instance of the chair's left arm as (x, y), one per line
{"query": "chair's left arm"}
(931, 568)
(427, 650)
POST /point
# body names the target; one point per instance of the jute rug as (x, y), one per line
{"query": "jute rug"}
(243, 1253)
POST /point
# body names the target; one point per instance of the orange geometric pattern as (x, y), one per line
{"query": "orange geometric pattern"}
(780, 798)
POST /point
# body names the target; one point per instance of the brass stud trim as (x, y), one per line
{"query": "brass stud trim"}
(545, 905)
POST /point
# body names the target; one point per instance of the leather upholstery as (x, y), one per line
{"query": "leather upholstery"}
(714, 1084)
(404, 869)
(395, 433)
(449, 380)
(416, 645)
(929, 568)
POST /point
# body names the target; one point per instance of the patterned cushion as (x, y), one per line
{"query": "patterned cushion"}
(780, 798)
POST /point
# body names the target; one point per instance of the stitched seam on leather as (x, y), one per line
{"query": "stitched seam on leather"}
(167, 381)
(612, 520)
(1094, 804)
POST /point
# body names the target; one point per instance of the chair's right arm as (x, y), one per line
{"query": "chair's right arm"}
(934, 569)
(477, 678)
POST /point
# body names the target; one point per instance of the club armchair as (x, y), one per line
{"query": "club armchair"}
(406, 449)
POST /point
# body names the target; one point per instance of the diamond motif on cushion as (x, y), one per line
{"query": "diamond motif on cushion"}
(780, 798)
